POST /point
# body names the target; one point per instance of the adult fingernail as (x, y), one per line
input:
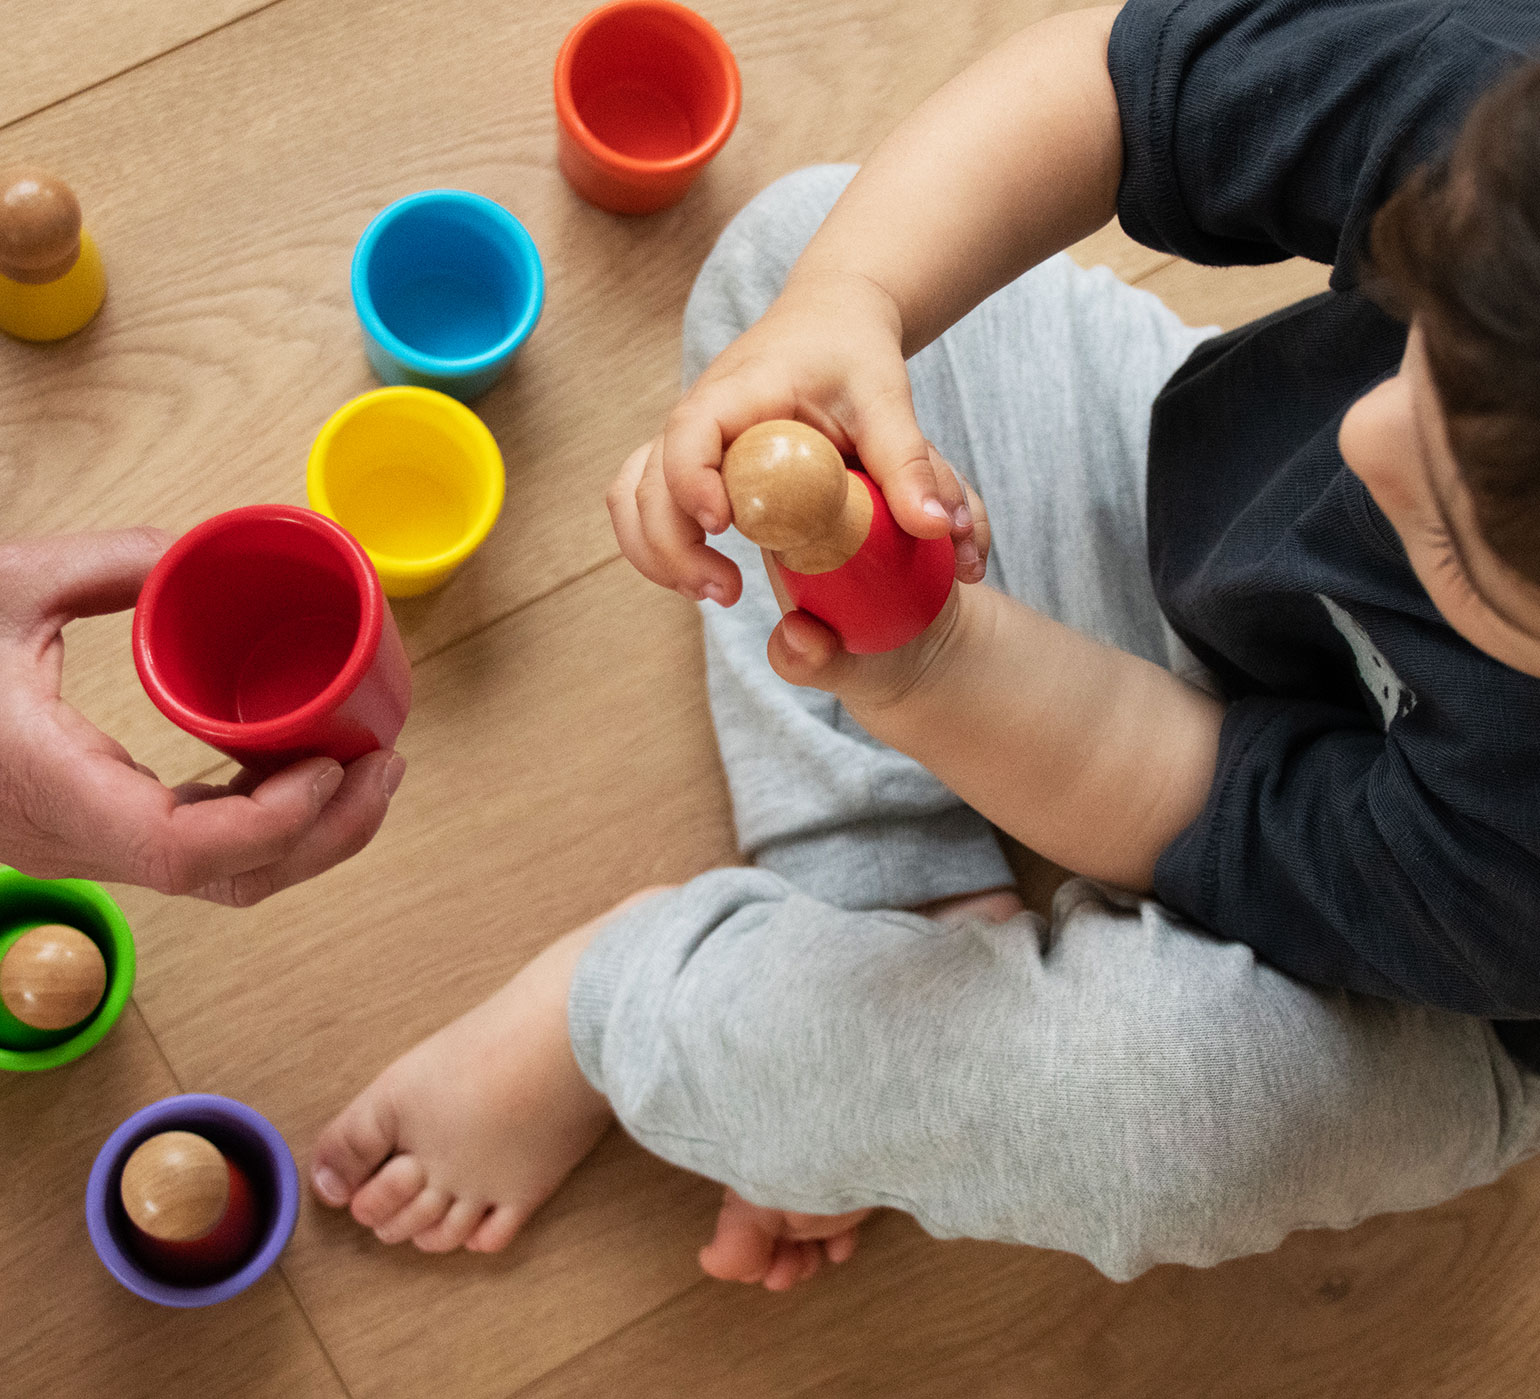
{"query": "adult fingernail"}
(717, 593)
(326, 783)
(395, 770)
(962, 517)
(329, 1185)
(936, 510)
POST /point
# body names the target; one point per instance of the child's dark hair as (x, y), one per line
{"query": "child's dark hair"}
(1458, 246)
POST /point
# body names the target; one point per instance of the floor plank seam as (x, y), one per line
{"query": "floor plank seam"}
(635, 1322)
(134, 67)
(1151, 271)
(203, 774)
(165, 1059)
(514, 611)
(310, 1325)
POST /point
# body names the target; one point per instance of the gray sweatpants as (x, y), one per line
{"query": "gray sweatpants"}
(1114, 1082)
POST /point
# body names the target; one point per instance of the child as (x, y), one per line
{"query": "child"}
(1289, 701)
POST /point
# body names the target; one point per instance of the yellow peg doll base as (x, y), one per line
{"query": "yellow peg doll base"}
(52, 310)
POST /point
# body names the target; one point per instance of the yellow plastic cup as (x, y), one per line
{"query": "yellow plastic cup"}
(414, 476)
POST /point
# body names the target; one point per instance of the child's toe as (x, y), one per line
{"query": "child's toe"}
(496, 1231)
(423, 1211)
(456, 1226)
(395, 1185)
(352, 1146)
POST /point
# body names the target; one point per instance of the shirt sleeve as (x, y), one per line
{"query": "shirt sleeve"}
(1255, 130)
(1321, 848)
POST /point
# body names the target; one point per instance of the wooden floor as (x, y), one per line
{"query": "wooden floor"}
(229, 153)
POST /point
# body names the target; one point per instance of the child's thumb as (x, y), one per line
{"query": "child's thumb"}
(803, 651)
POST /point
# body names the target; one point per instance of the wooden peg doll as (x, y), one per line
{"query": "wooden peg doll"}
(842, 557)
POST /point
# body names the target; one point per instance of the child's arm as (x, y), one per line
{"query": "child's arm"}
(1014, 159)
(1090, 756)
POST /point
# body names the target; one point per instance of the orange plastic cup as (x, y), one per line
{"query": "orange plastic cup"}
(646, 93)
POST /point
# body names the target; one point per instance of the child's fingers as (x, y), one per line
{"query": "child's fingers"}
(970, 524)
(699, 430)
(678, 546)
(678, 559)
(971, 562)
(620, 500)
(898, 458)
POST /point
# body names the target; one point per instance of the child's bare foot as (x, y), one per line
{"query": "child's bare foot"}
(464, 1137)
(775, 1247)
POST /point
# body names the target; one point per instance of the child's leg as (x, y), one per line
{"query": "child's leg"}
(1041, 398)
(1118, 1085)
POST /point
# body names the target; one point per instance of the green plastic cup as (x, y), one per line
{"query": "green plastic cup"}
(27, 903)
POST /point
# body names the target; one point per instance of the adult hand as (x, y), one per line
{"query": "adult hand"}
(73, 803)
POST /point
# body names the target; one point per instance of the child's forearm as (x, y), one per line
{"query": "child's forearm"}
(1090, 756)
(1014, 159)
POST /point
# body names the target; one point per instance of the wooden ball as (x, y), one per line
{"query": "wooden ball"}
(175, 1186)
(786, 483)
(52, 977)
(39, 225)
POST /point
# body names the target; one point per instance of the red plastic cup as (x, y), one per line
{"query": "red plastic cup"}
(264, 632)
(646, 93)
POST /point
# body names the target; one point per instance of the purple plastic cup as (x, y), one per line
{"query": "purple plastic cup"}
(248, 1139)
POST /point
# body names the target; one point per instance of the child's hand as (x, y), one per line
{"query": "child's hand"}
(773, 1247)
(803, 651)
(827, 353)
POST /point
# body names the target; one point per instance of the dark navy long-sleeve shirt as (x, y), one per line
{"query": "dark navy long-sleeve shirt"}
(1374, 821)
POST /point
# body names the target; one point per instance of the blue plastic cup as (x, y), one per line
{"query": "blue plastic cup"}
(447, 285)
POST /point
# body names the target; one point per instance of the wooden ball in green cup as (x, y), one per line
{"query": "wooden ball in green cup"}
(27, 904)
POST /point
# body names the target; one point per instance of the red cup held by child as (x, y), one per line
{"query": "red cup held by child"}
(264, 632)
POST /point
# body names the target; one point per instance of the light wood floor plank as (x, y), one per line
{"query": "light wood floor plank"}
(559, 760)
(228, 181)
(560, 756)
(53, 50)
(1231, 296)
(68, 1329)
(1444, 1304)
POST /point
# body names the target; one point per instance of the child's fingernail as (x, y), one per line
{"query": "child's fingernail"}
(395, 770)
(329, 1185)
(936, 510)
(717, 593)
(712, 524)
(794, 644)
(967, 553)
(962, 517)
